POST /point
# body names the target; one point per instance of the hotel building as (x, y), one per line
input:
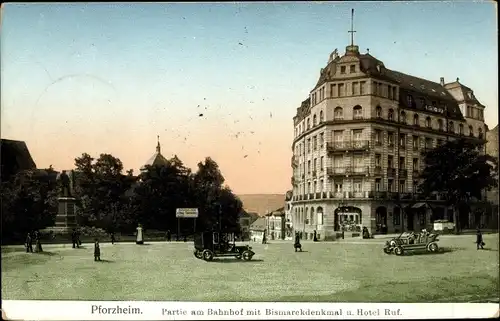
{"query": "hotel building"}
(357, 146)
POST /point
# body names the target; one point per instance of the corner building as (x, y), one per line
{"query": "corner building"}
(358, 141)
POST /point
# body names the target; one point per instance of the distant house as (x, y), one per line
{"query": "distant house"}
(245, 219)
(15, 158)
(275, 224)
(257, 229)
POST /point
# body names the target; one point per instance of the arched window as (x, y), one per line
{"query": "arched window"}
(390, 114)
(480, 132)
(451, 127)
(461, 129)
(312, 218)
(428, 122)
(338, 113)
(378, 112)
(440, 124)
(471, 131)
(403, 117)
(314, 120)
(357, 112)
(415, 120)
(321, 117)
(319, 214)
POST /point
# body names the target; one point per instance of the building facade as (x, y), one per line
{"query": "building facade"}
(288, 215)
(275, 225)
(357, 146)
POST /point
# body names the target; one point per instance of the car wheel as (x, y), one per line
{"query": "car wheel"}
(247, 256)
(433, 247)
(198, 254)
(208, 255)
(399, 250)
(387, 250)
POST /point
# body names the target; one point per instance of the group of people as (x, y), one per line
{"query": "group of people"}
(30, 238)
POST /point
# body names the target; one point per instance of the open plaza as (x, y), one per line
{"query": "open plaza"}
(353, 270)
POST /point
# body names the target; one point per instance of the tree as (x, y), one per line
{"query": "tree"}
(460, 171)
(29, 202)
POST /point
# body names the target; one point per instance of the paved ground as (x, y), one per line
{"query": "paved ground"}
(353, 270)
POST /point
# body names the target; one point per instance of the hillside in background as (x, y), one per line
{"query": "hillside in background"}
(262, 203)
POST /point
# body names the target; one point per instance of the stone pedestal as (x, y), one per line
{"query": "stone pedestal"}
(66, 215)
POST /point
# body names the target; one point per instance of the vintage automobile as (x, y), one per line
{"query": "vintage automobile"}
(208, 245)
(412, 242)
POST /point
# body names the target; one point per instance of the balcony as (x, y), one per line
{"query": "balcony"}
(380, 195)
(378, 171)
(360, 170)
(294, 162)
(343, 146)
(338, 171)
(391, 172)
(402, 172)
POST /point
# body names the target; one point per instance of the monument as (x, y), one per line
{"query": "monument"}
(66, 209)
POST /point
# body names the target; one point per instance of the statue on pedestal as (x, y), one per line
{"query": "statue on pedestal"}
(64, 185)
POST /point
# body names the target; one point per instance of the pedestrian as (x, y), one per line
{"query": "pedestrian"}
(97, 251)
(74, 239)
(315, 239)
(113, 238)
(38, 244)
(297, 245)
(342, 230)
(78, 239)
(479, 240)
(169, 236)
(29, 243)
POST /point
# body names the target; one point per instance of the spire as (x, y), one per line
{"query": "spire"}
(352, 31)
(158, 147)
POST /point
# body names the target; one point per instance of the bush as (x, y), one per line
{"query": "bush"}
(92, 231)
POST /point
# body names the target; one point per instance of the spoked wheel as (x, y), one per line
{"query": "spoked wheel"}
(198, 254)
(433, 247)
(398, 250)
(208, 255)
(247, 255)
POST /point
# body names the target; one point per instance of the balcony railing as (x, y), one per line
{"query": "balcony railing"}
(391, 172)
(360, 170)
(402, 172)
(338, 171)
(348, 145)
(380, 195)
(378, 170)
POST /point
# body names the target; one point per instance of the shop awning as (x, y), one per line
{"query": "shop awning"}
(419, 205)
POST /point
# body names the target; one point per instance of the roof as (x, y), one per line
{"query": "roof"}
(156, 160)
(463, 93)
(278, 212)
(15, 157)
(259, 224)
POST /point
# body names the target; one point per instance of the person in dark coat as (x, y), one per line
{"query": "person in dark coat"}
(38, 244)
(74, 239)
(29, 243)
(169, 236)
(479, 240)
(315, 238)
(97, 251)
(297, 245)
(113, 240)
(78, 239)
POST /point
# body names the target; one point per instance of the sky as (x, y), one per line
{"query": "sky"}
(108, 78)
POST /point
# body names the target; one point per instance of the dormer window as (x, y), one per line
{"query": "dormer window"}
(352, 69)
(342, 69)
(410, 100)
(469, 94)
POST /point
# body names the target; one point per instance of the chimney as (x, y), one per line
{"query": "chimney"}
(442, 81)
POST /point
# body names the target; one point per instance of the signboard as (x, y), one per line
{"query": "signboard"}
(186, 213)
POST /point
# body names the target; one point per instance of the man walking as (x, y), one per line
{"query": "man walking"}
(74, 239)
(29, 243)
(479, 240)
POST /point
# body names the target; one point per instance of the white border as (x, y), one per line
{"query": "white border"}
(172, 310)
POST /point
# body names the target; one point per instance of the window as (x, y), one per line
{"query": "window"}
(390, 161)
(321, 185)
(390, 114)
(389, 91)
(415, 142)
(409, 99)
(308, 166)
(362, 87)
(378, 160)
(338, 113)
(338, 188)
(342, 69)
(357, 112)
(402, 186)
(378, 185)
(357, 186)
(480, 132)
(315, 143)
(394, 93)
(415, 164)
(401, 163)
(428, 143)
(308, 124)
(390, 185)
(308, 145)
(321, 140)
(358, 161)
(403, 117)
(451, 127)
(469, 111)
(390, 138)
(338, 161)
(314, 120)
(440, 124)
(333, 90)
(415, 120)
(471, 131)
(378, 112)
(321, 117)
(352, 69)
(314, 164)
(461, 129)
(378, 137)
(428, 122)
(338, 135)
(354, 88)
(396, 216)
(402, 141)
(322, 163)
(341, 90)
